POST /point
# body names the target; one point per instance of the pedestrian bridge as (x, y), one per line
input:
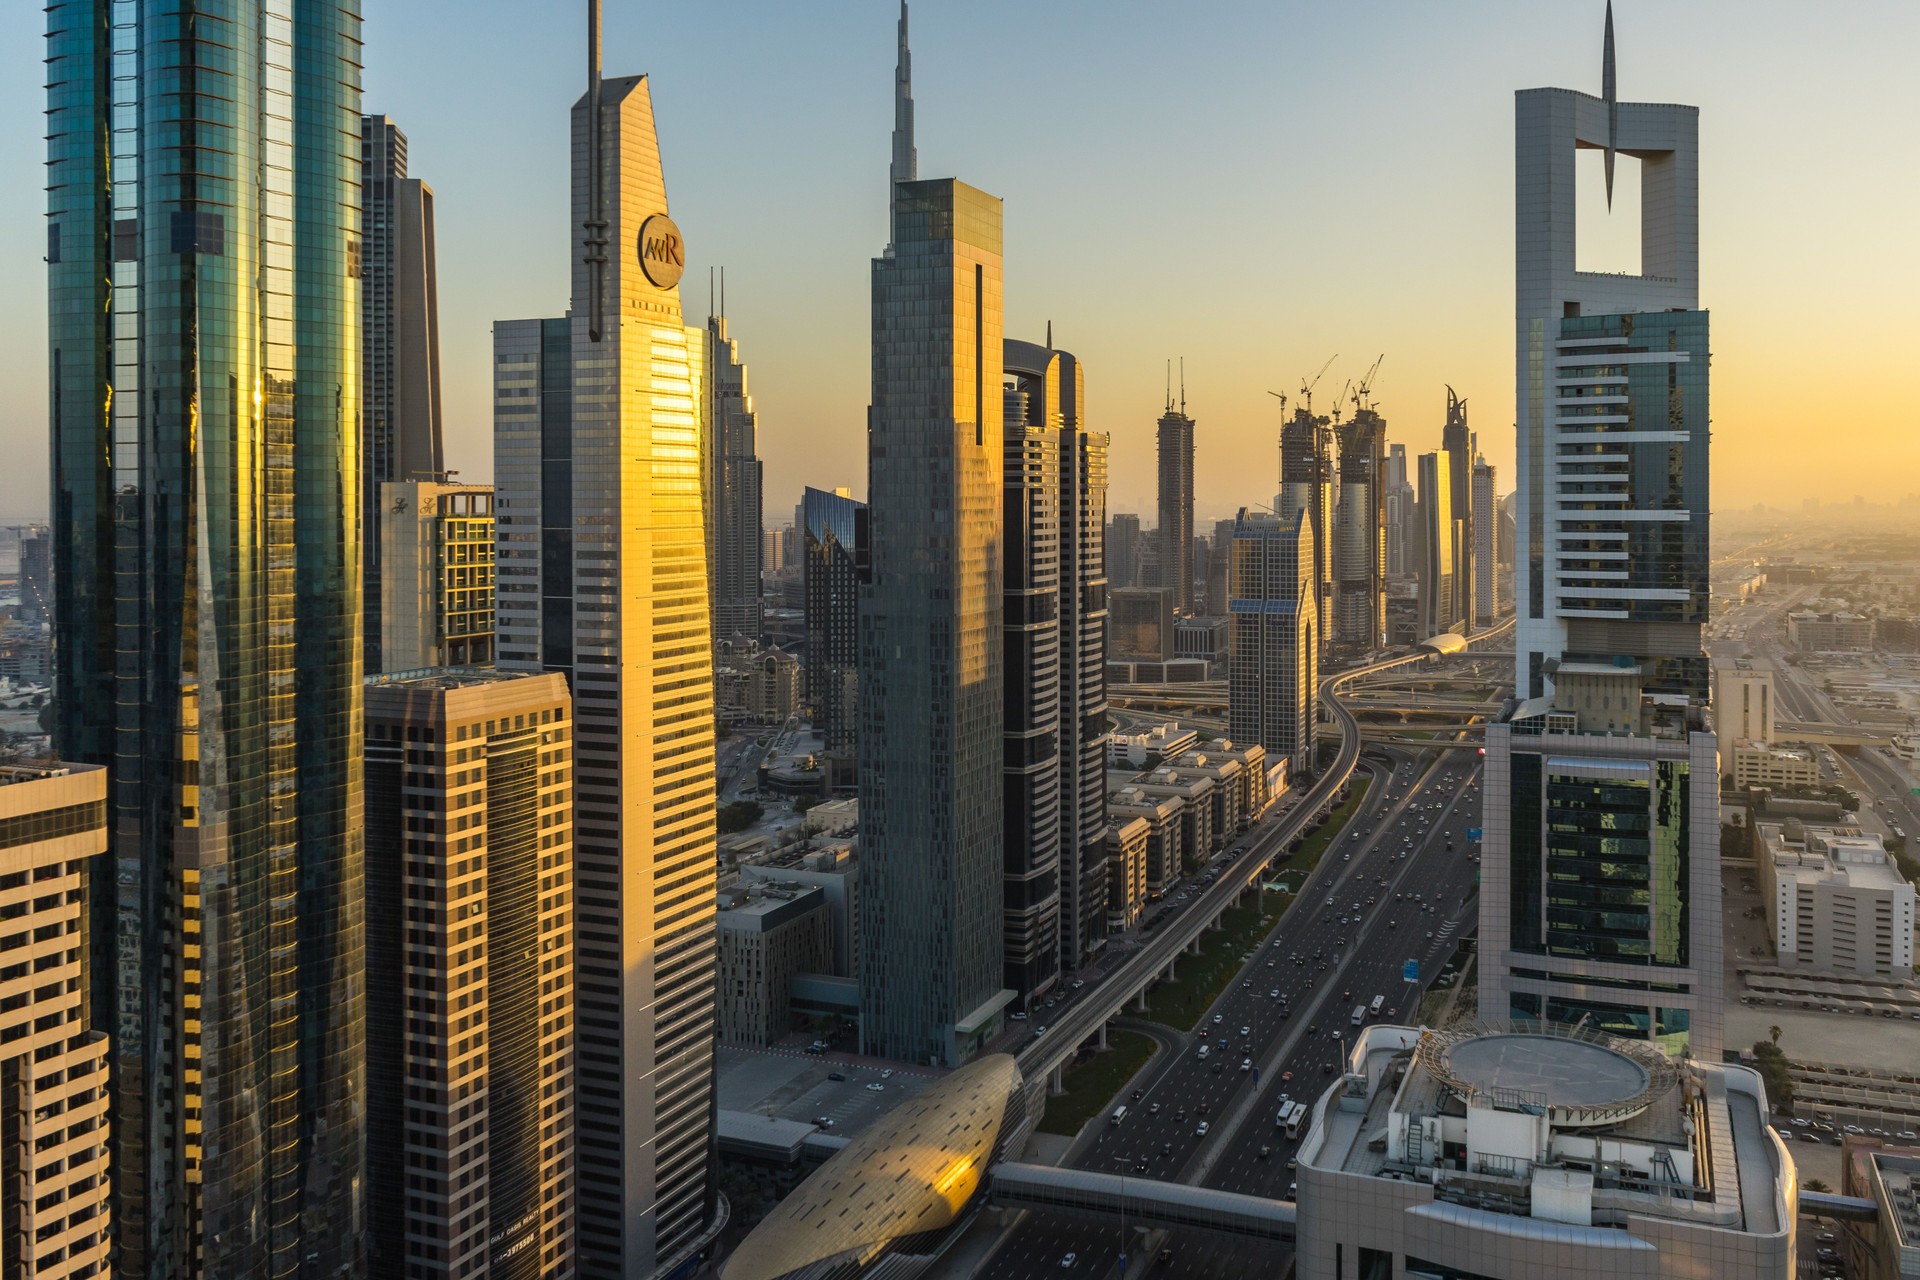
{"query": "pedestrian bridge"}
(1138, 1202)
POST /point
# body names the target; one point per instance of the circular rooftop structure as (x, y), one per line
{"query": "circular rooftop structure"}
(1583, 1077)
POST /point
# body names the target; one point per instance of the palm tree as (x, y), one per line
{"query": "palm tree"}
(1773, 1033)
(1815, 1184)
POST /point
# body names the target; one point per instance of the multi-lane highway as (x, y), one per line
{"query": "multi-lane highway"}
(1389, 890)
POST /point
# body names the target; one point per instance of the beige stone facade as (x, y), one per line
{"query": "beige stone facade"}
(54, 1182)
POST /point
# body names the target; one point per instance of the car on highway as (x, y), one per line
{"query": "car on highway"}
(1246, 1064)
(1200, 1130)
(1069, 1259)
(876, 1087)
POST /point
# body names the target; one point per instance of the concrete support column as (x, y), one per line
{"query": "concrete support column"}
(1169, 975)
(1194, 946)
(1103, 1035)
(1140, 1000)
(1057, 1080)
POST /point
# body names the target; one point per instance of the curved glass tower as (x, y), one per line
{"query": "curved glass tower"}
(203, 325)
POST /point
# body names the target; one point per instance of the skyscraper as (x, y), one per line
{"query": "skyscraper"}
(470, 1026)
(36, 574)
(1400, 515)
(835, 540)
(1274, 672)
(58, 1221)
(1306, 485)
(1457, 441)
(1123, 551)
(399, 344)
(931, 711)
(437, 552)
(1031, 872)
(1600, 899)
(1050, 386)
(1439, 545)
(204, 336)
(1360, 536)
(1174, 537)
(1486, 525)
(734, 543)
(603, 577)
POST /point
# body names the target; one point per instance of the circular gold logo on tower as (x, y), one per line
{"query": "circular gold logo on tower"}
(663, 254)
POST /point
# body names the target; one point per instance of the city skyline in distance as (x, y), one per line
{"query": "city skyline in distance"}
(1415, 218)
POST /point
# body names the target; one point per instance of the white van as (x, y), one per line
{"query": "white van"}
(1204, 1049)
(1374, 1008)
(1119, 1114)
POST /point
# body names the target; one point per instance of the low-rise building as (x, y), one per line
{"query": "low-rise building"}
(1166, 833)
(1228, 794)
(1127, 843)
(1198, 835)
(1169, 671)
(1755, 764)
(1264, 776)
(1148, 749)
(831, 867)
(1207, 639)
(1521, 1151)
(767, 934)
(1830, 632)
(1838, 902)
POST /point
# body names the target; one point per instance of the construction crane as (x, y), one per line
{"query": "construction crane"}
(1344, 397)
(1362, 395)
(1306, 386)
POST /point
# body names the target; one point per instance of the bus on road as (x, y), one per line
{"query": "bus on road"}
(1359, 1014)
(1293, 1117)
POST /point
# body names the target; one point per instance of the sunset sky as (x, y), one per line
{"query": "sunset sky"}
(1253, 186)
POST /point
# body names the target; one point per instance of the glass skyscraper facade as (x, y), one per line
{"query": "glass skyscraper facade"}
(833, 538)
(203, 249)
(733, 489)
(931, 677)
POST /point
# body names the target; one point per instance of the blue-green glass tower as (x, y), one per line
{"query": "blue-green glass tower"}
(203, 325)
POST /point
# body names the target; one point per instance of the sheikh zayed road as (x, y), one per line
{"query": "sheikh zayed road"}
(1397, 885)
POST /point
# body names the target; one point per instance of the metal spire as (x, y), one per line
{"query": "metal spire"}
(905, 165)
(595, 241)
(1609, 92)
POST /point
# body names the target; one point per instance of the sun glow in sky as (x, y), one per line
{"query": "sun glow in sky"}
(1253, 186)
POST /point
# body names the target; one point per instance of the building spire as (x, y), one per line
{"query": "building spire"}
(905, 165)
(1609, 90)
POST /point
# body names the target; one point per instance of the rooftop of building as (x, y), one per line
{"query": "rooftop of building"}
(1841, 850)
(11, 773)
(1899, 1179)
(1554, 1123)
(446, 677)
(761, 902)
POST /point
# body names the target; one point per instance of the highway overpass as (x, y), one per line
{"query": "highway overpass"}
(1087, 1017)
